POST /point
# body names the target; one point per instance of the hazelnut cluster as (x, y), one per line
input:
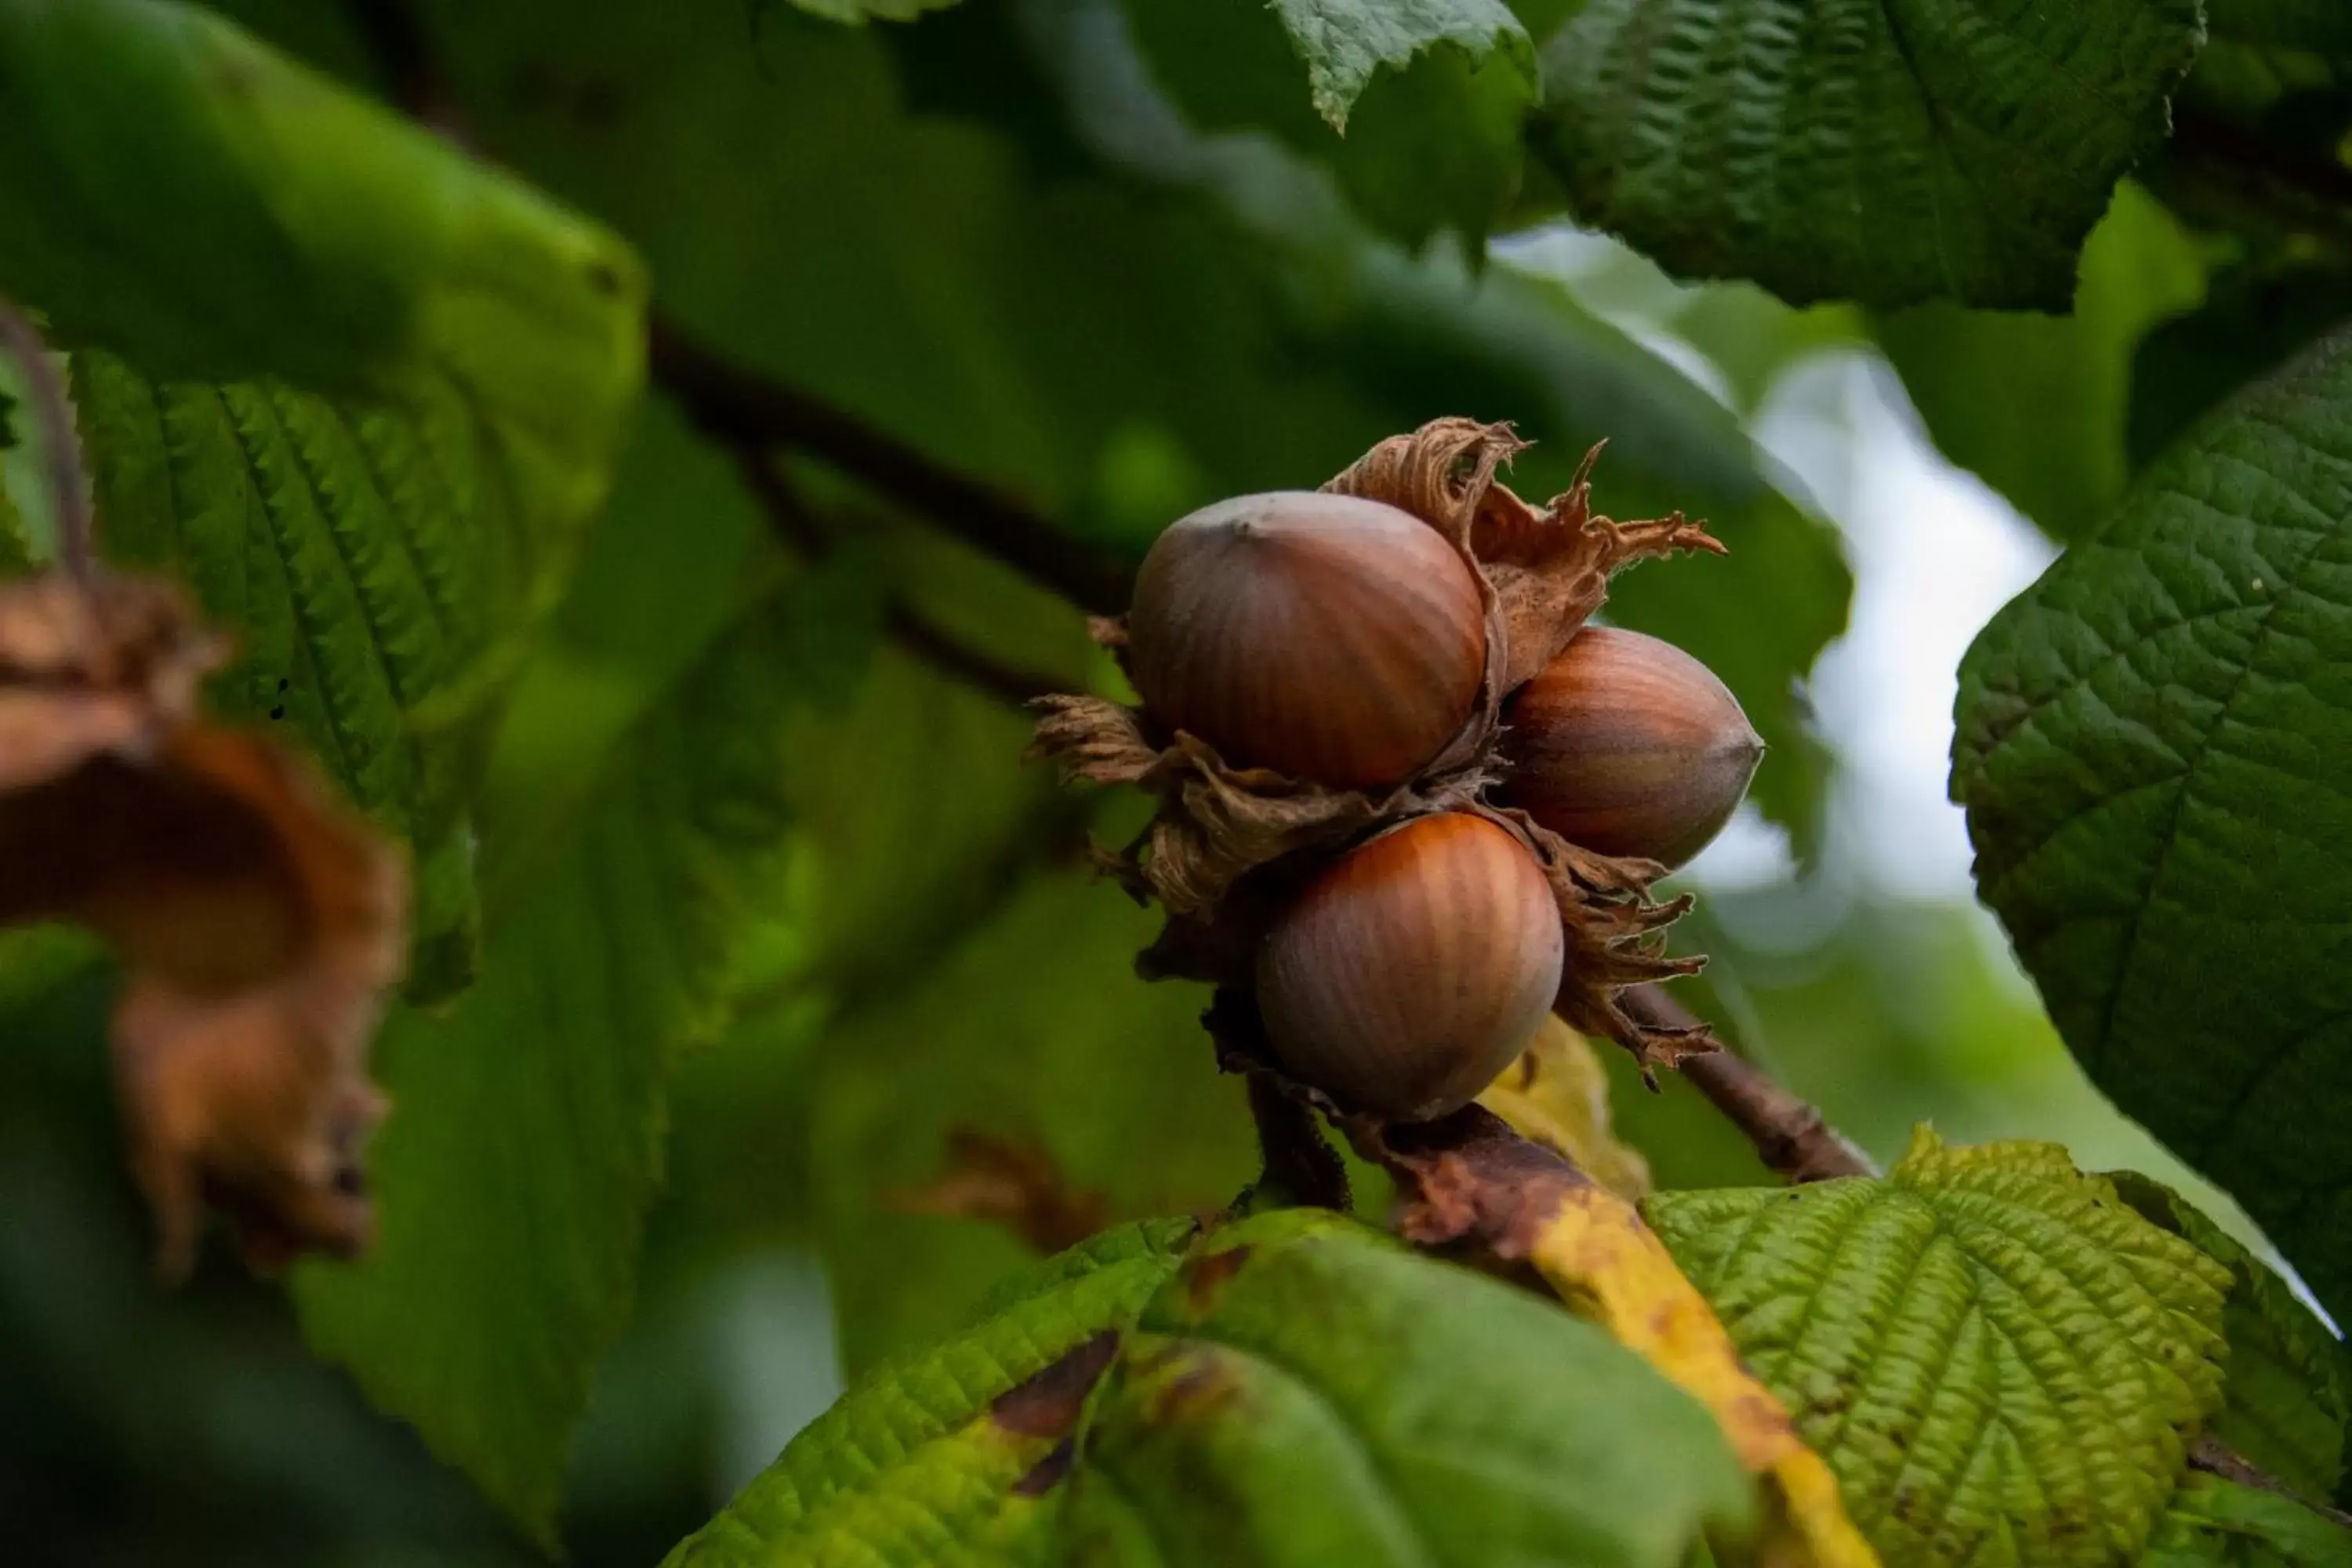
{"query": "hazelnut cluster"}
(1408, 799)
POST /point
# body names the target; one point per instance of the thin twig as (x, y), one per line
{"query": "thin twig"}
(393, 36)
(1790, 1133)
(751, 416)
(797, 527)
(1299, 1166)
(2209, 1453)
(60, 445)
(952, 656)
(740, 407)
(2210, 138)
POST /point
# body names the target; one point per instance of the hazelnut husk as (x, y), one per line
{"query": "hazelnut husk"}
(1234, 850)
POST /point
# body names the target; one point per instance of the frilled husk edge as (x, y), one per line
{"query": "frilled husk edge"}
(1228, 844)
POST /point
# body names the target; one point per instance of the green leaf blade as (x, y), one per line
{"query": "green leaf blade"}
(2144, 747)
(1291, 1389)
(367, 555)
(1889, 152)
(2288, 1400)
(2214, 1523)
(1347, 43)
(1992, 1351)
(180, 193)
(516, 1172)
(909, 1453)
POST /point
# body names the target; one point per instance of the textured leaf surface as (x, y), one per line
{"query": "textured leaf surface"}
(177, 191)
(2214, 1523)
(1346, 43)
(1887, 151)
(2289, 1394)
(1302, 1391)
(2151, 743)
(1427, 138)
(2256, 320)
(515, 1171)
(1998, 1357)
(913, 1465)
(372, 558)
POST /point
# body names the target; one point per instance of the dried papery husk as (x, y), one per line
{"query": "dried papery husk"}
(1227, 839)
(1548, 568)
(259, 920)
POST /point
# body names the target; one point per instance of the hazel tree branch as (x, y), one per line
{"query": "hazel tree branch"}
(751, 416)
(52, 411)
(738, 408)
(1790, 1133)
(798, 529)
(2209, 1453)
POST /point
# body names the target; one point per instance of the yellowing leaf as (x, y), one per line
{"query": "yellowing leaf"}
(1477, 1179)
(1557, 1094)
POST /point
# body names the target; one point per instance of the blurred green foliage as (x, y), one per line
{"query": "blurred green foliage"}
(770, 907)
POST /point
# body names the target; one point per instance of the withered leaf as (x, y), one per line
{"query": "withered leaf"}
(1469, 1179)
(258, 923)
(1556, 1095)
(1019, 1185)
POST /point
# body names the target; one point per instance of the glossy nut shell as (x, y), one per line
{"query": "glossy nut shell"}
(1411, 973)
(1628, 746)
(1332, 638)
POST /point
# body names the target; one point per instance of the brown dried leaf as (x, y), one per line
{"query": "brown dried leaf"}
(1018, 1185)
(258, 923)
(1470, 1179)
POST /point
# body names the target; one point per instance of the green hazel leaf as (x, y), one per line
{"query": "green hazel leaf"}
(1033, 1029)
(1347, 43)
(174, 191)
(2038, 406)
(15, 544)
(1308, 1390)
(2214, 1523)
(2257, 318)
(2289, 1394)
(2149, 745)
(924, 1459)
(376, 560)
(1302, 1390)
(1885, 150)
(1998, 1357)
(1427, 140)
(515, 1171)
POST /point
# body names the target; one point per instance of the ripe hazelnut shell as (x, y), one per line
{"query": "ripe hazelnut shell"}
(1328, 638)
(1627, 745)
(1413, 970)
